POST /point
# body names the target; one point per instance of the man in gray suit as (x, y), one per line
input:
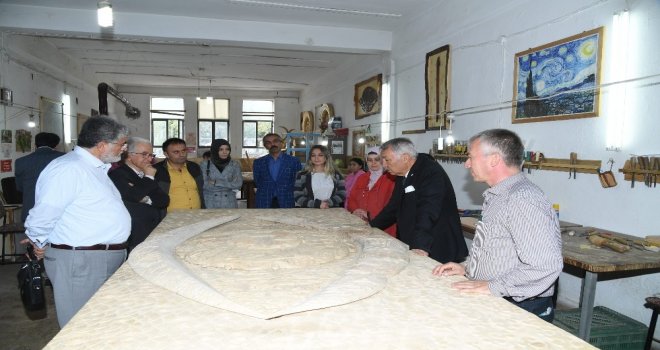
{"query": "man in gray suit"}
(28, 168)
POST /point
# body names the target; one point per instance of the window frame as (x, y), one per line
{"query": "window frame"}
(213, 122)
(256, 118)
(180, 116)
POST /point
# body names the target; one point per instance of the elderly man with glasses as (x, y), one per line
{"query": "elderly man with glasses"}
(143, 198)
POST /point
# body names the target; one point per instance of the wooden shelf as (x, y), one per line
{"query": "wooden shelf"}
(633, 170)
(559, 164)
(451, 158)
(442, 155)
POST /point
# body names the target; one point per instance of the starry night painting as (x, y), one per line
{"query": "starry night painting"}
(558, 80)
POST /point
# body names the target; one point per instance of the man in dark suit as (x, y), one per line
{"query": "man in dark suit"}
(274, 175)
(423, 204)
(28, 168)
(143, 198)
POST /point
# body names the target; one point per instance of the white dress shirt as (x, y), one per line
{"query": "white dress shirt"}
(77, 204)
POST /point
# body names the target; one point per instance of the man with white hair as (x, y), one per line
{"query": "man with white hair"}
(423, 204)
(145, 200)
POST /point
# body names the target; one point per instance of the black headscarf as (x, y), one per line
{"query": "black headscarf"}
(215, 158)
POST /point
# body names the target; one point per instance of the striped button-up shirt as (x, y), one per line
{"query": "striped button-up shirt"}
(517, 244)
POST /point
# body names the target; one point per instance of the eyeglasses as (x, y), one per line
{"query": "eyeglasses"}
(144, 154)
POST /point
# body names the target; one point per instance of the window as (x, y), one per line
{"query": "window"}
(167, 114)
(212, 121)
(258, 118)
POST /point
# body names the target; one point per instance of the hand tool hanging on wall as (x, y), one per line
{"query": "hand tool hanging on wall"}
(656, 167)
(633, 167)
(643, 165)
(573, 160)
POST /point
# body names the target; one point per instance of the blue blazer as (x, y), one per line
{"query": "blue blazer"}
(281, 187)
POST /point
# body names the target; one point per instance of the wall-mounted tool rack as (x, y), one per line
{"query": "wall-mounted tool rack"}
(571, 165)
(642, 169)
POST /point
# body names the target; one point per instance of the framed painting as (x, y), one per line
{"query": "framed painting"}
(307, 121)
(358, 148)
(324, 112)
(437, 88)
(558, 80)
(368, 96)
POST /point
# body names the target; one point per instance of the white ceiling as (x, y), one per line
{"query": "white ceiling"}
(137, 57)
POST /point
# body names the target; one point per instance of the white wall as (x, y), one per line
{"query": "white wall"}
(338, 89)
(484, 37)
(23, 70)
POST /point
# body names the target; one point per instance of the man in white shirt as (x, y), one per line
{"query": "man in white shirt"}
(79, 223)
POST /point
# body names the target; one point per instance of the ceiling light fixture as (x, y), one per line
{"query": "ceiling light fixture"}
(209, 98)
(105, 14)
(450, 137)
(31, 123)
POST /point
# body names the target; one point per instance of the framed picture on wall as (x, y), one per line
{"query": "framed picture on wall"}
(367, 96)
(337, 147)
(437, 88)
(307, 121)
(358, 148)
(324, 112)
(558, 80)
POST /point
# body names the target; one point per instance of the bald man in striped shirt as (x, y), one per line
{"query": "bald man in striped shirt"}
(516, 251)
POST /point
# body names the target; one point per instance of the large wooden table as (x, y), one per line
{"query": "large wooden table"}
(413, 310)
(581, 254)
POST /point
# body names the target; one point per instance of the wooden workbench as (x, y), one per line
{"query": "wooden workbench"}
(578, 252)
(413, 310)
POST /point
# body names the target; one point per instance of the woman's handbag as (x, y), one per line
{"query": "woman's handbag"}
(31, 284)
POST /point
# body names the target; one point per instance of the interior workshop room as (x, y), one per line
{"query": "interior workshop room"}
(576, 80)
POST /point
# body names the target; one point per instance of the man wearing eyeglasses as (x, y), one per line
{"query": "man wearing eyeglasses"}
(79, 221)
(144, 199)
(181, 179)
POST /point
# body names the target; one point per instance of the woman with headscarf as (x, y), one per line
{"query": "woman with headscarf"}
(372, 191)
(319, 184)
(222, 177)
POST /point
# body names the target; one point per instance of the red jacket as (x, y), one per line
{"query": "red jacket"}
(374, 200)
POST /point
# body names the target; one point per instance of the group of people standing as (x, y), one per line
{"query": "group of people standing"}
(88, 224)
(516, 253)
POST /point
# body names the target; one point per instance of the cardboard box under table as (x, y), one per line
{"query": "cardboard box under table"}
(292, 279)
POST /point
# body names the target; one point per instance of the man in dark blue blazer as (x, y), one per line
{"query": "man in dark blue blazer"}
(28, 168)
(274, 175)
(423, 204)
